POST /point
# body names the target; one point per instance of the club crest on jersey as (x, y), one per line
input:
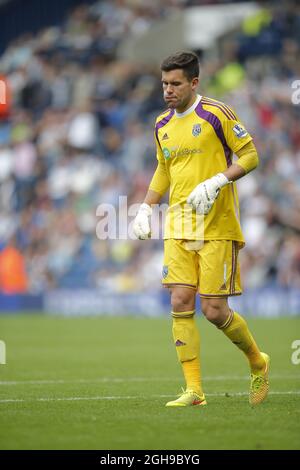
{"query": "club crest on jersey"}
(165, 271)
(239, 131)
(196, 130)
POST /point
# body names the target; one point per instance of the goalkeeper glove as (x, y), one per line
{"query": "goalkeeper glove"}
(141, 225)
(204, 195)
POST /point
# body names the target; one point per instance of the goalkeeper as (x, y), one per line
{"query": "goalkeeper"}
(195, 140)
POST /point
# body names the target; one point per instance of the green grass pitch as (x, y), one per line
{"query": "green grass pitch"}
(102, 383)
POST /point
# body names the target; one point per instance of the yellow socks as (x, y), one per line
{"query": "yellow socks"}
(236, 329)
(192, 375)
(187, 342)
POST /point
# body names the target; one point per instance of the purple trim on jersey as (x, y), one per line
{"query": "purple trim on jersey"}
(163, 122)
(216, 123)
(231, 112)
(222, 105)
(221, 108)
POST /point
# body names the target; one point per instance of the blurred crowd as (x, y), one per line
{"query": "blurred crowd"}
(80, 134)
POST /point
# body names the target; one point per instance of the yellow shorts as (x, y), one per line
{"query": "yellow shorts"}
(211, 267)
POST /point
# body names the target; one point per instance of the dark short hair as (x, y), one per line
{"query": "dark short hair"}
(187, 61)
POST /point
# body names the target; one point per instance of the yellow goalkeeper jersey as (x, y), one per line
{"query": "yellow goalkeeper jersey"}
(192, 147)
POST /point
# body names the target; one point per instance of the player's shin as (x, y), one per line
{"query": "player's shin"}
(187, 342)
(236, 329)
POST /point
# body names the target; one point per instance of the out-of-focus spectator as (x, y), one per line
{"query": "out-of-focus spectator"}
(13, 277)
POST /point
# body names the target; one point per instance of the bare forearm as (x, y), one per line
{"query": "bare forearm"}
(234, 172)
(152, 197)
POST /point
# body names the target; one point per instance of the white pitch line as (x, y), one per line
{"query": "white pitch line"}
(132, 397)
(134, 379)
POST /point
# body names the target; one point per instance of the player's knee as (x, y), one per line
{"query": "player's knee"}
(183, 300)
(213, 310)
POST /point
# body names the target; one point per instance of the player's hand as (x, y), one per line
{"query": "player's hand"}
(204, 195)
(141, 225)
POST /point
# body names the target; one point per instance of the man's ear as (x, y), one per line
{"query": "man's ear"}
(195, 83)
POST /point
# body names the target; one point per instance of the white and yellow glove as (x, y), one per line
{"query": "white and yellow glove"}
(141, 225)
(204, 195)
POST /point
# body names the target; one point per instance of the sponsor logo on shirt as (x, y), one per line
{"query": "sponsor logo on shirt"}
(166, 153)
(180, 152)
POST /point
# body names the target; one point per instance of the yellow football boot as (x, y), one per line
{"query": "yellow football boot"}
(259, 386)
(188, 398)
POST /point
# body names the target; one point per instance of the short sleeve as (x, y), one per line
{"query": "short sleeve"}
(236, 134)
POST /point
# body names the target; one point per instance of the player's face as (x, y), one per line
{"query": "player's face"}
(178, 90)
